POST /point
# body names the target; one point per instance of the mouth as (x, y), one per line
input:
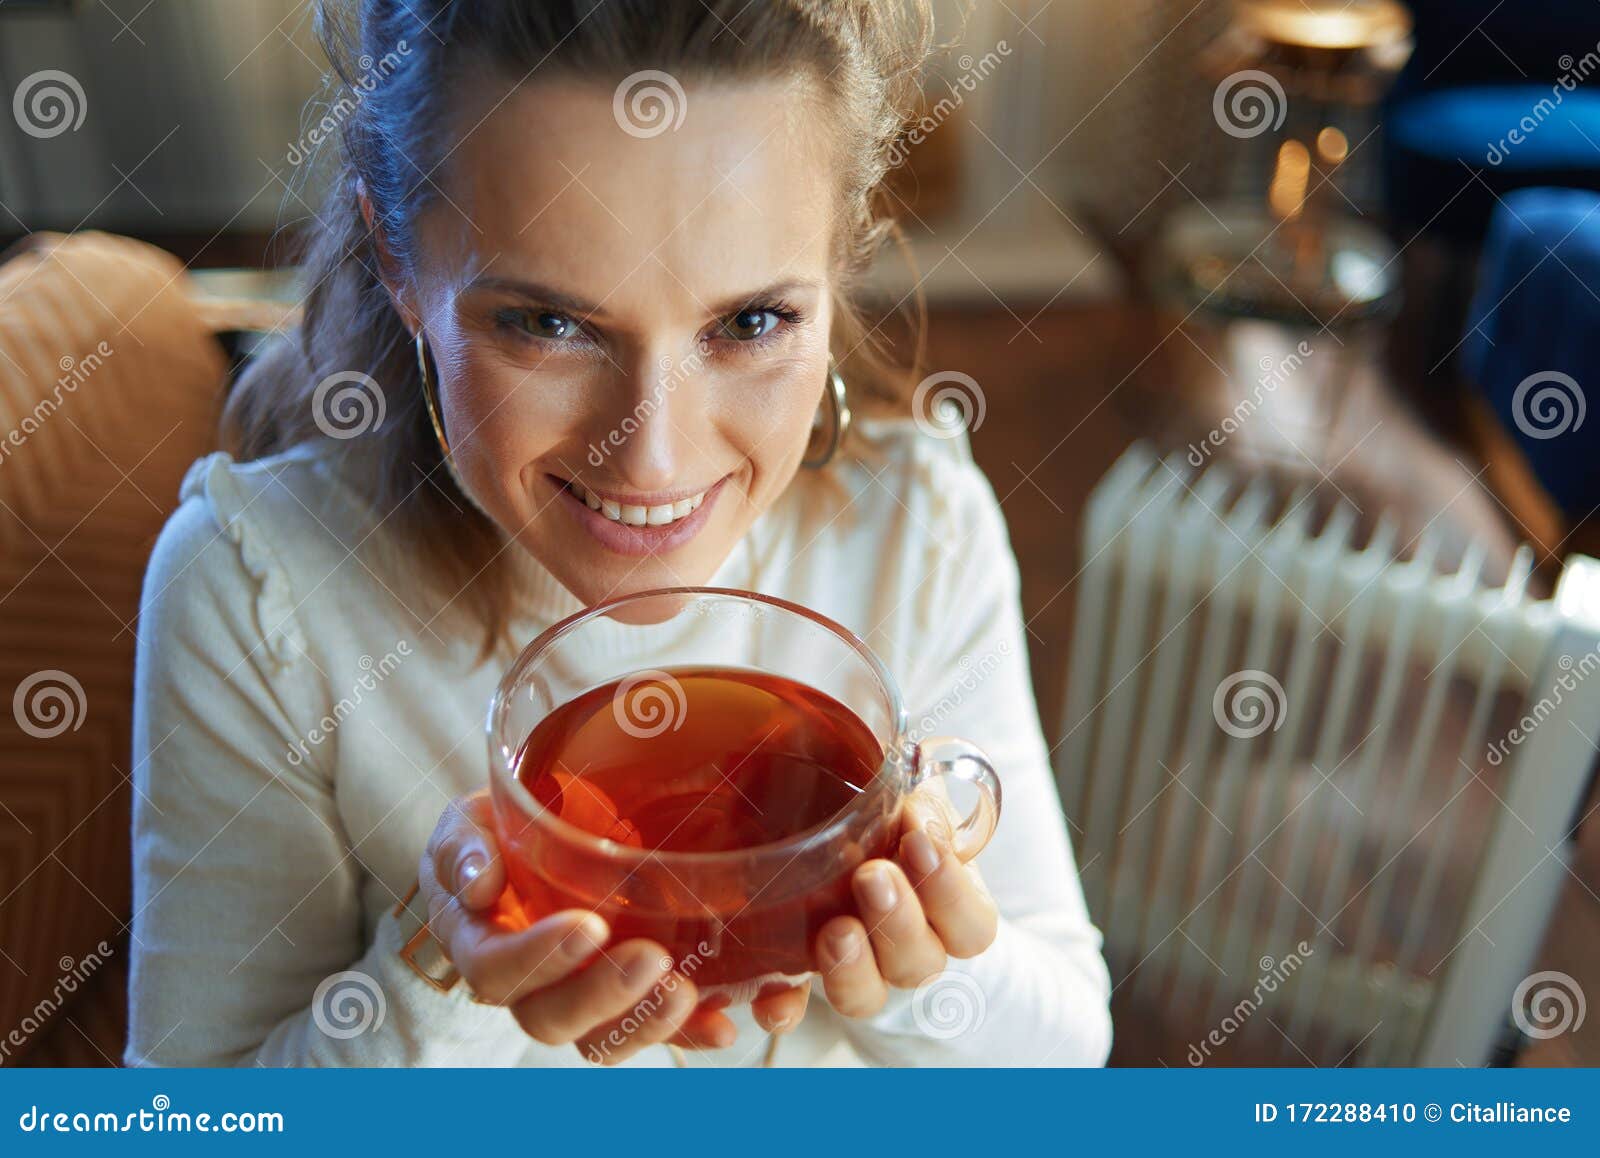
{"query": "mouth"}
(639, 524)
(660, 514)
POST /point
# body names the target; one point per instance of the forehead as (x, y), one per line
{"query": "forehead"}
(551, 184)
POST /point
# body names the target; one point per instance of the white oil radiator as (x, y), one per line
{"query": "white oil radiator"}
(1322, 784)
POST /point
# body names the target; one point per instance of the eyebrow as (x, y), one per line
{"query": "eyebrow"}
(546, 295)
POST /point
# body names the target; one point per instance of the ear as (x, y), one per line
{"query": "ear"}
(400, 291)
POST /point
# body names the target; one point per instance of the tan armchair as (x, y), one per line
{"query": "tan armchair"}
(111, 378)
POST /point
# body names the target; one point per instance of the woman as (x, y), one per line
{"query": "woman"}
(629, 305)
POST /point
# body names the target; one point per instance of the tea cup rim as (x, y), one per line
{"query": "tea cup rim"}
(502, 759)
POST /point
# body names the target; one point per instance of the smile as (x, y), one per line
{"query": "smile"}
(635, 515)
(652, 525)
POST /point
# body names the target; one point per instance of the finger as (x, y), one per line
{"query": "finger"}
(781, 1008)
(956, 904)
(907, 948)
(849, 971)
(502, 961)
(465, 855)
(706, 1029)
(606, 989)
(503, 967)
(654, 1018)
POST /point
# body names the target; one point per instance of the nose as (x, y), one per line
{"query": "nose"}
(653, 423)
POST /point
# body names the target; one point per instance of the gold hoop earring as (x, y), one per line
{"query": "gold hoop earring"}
(839, 399)
(429, 396)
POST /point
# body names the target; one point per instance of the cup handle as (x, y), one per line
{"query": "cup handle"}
(948, 756)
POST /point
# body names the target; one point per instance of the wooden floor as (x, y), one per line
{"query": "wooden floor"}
(1068, 391)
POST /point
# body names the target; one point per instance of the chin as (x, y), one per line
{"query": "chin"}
(593, 577)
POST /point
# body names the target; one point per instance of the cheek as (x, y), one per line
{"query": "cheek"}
(771, 419)
(500, 418)
(770, 412)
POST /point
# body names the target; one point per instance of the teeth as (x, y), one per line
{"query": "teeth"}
(639, 516)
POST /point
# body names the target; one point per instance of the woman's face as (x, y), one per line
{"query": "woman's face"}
(638, 324)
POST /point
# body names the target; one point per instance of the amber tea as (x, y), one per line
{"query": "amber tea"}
(703, 760)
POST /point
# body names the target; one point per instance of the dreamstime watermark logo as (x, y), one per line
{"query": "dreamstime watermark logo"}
(648, 703)
(630, 1024)
(74, 973)
(373, 72)
(1547, 404)
(48, 103)
(674, 375)
(1248, 103)
(949, 1004)
(1274, 373)
(156, 1120)
(948, 402)
(919, 130)
(48, 703)
(1573, 672)
(1573, 73)
(347, 404)
(973, 673)
(1249, 702)
(649, 103)
(373, 673)
(1548, 1004)
(1274, 972)
(348, 1004)
(74, 373)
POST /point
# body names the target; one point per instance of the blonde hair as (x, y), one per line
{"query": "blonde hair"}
(396, 64)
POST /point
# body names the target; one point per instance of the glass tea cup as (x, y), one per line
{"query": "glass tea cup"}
(736, 919)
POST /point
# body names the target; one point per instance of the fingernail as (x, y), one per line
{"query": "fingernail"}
(587, 935)
(877, 888)
(844, 946)
(471, 868)
(921, 855)
(781, 1025)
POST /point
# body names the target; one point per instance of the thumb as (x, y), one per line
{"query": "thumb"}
(466, 856)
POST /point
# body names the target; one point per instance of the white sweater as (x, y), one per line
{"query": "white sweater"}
(300, 721)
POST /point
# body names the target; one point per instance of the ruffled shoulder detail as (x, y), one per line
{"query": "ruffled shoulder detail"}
(229, 490)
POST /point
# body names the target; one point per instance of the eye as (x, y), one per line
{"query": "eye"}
(749, 324)
(545, 324)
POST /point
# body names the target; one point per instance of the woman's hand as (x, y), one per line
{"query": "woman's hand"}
(561, 980)
(914, 914)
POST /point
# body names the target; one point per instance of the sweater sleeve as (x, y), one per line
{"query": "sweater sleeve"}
(248, 944)
(1039, 994)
